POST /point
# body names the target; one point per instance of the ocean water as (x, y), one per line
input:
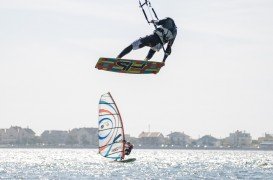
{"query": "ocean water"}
(150, 164)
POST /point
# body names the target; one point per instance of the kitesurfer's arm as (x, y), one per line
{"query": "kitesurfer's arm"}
(169, 46)
(168, 50)
(160, 22)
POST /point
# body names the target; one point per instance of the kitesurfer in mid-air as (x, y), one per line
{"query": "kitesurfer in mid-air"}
(165, 32)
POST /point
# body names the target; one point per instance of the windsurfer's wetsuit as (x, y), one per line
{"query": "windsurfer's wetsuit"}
(165, 33)
(128, 148)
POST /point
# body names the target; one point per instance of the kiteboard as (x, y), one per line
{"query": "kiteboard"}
(129, 66)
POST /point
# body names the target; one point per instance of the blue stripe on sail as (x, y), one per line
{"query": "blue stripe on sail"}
(103, 102)
(116, 138)
(107, 153)
(105, 119)
(117, 157)
(113, 157)
(119, 135)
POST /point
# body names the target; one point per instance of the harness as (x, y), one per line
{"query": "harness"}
(164, 34)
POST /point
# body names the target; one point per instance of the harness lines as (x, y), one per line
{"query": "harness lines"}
(153, 16)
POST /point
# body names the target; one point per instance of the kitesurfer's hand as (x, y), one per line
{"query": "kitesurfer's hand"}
(154, 22)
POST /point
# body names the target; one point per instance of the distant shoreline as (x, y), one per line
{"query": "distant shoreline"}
(142, 148)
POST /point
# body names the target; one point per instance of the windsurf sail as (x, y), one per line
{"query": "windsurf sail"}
(111, 131)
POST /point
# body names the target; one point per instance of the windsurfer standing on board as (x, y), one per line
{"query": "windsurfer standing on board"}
(128, 147)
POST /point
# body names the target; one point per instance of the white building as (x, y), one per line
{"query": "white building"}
(84, 136)
(54, 137)
(266, 142)
(267, 137)
(2, 134)
(151, 139)
(239, 139)
(17, 135)
(179, 139)
(208, 141)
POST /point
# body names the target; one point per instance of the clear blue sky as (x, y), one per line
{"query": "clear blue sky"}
(218, 79)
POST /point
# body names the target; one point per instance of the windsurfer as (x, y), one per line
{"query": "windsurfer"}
(128, 147)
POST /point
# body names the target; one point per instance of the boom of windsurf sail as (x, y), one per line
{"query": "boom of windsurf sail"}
(111, 132)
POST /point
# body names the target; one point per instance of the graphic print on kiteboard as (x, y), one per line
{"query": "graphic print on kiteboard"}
(129, 66)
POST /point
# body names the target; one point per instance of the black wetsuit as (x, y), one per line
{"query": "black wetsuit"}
(165, 33)
(128, 149)
(167, 23)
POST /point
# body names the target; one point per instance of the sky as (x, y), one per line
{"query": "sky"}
(218, 79)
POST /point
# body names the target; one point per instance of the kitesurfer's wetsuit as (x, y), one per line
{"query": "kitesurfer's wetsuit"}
(165, 33)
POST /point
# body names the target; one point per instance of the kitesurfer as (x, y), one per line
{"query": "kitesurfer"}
(165, 32)
(128, 147)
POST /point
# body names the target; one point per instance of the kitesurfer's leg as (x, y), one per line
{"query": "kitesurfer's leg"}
(150, 54)
(134, 46)
(165, 57)
(150, 41)
(154, 42)
(125, 51)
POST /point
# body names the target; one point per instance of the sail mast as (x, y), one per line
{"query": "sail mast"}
(123, 135)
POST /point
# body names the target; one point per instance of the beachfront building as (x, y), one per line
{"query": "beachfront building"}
(83, 136)
(266, 142)
(2, 134)
(267, 137)
(17, 135)
(27, 136)
(208, 141)
(151, 139)
(239, 139)
(133, 140)
(12, 135)
(54, 137)
(179, 139)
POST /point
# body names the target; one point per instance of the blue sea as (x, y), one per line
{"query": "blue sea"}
(150, 164)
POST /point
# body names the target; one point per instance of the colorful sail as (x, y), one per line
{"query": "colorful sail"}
(111, 133)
